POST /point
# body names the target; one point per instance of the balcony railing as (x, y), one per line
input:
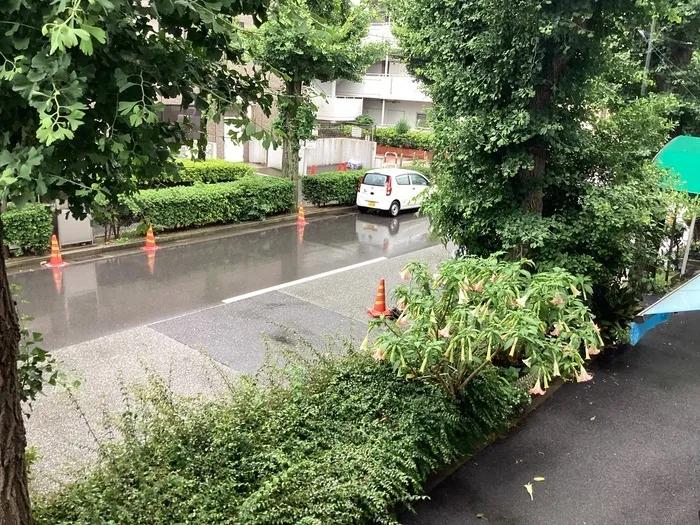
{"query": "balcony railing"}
(338, 109)
(388, 87)
(380, 33)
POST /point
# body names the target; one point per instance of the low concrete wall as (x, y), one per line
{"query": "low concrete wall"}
(326, 152)
(334, 151)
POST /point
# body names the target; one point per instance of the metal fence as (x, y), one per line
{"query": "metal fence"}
(327, 130)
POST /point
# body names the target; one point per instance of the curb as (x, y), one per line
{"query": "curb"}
(441, 475)
(207, 233)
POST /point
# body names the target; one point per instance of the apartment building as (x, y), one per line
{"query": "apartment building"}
(387, 92)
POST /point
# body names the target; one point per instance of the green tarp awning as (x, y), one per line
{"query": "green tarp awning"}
(682, 157)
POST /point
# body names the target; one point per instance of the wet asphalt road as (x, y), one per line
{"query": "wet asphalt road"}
(92, 299)
(623, 449)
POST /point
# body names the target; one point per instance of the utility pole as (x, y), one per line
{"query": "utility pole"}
(650, 48)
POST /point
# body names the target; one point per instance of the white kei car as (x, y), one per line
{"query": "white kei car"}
(392, 190)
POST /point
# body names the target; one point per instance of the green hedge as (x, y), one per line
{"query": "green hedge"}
(212, 171)
(251, 198)
(206, 171)
(414, 139)
(30, 228)
(340, 441)
(332, 187)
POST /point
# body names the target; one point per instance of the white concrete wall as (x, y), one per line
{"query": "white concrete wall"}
(395, 111)
(334, 151)
(233, 150)
(328, 152)
(274, 158)
(256, 153)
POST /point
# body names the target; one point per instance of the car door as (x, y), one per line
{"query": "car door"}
(419, 186)
(404, 190)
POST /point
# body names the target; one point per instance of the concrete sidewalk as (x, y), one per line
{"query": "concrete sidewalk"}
(622, 449)
(233, 335)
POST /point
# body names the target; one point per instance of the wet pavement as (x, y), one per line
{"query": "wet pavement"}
(622, 449)
(84, 301)
(191, 352)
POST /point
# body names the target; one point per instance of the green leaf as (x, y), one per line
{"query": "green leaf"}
(97, 33)
(125, 108)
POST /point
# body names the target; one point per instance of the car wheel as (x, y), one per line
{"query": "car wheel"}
(394, 209)
(394, 227)
(362, 209)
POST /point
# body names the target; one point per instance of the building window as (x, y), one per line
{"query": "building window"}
(421, 120)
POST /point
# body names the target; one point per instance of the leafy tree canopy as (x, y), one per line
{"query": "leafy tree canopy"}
(308, 40)
(82, 86)
(526, 160)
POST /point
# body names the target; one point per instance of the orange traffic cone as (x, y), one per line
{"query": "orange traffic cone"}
(58, 279)
(151, 260)
(380, 309)
(301, 220)
(345, 166)
(300, 234)
(56, 258)
(150, 241)
(340, 166)
(313, 170)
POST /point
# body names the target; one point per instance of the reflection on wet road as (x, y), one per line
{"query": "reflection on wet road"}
(87, 300)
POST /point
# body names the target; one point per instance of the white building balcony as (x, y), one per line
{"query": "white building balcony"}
(389, 87)
(338, 109)
(380, 33)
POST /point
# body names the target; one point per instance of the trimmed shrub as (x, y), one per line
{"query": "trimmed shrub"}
(213, 171)
(413, 139)
(332, 187)
(251, 198)
(29, 227)
(339, 441)
(206, 171)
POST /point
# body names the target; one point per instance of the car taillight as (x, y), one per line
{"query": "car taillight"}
(388, 186)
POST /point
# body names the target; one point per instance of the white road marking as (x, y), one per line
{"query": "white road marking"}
(300, 281)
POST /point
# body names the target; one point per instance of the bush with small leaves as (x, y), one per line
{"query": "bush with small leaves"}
(248, 199)
(210, 171)
(336, 440)
(411, 139)
(29, 228)
(332, 187)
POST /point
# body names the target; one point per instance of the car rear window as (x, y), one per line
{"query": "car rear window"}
(374, 179)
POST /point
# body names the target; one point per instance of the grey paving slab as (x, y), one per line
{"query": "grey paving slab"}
(623, 449)
(236, 334)
(106, 366)
(351, 293)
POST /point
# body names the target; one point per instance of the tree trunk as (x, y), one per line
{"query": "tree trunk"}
(14, 492)
(203, 139)
(290, 142)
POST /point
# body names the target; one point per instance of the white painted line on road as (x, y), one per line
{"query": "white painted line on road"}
(300, 281)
